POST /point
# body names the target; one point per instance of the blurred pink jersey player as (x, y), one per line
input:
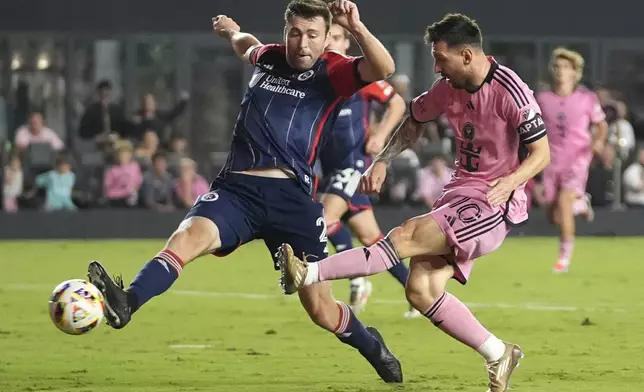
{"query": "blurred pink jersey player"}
(569, 111)
(492, 112)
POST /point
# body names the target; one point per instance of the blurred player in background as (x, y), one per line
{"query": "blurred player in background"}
(344, 157)
(492, 112)
(265, 189)
(570, 112)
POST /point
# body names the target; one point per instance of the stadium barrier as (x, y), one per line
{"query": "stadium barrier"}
(142, 224)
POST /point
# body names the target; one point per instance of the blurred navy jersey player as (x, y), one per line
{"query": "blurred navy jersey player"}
(265, 189)
(344, 158)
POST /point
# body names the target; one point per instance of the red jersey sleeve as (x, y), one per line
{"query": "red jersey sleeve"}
(343, 73)
(429, 105)
(380, 91)
(262, 50)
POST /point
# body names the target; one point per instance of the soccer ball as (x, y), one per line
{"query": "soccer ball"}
(76, 306)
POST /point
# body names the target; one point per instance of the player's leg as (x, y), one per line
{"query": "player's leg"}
(301, 223)
(573, 191)
(214, 223)
(363, 223)
(421, 235)
(335, 207)
(426, 292)
(550, 190)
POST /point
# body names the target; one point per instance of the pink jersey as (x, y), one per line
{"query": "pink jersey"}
(489, 125)
(568, 120)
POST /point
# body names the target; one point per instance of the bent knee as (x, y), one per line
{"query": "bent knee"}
(420, 297)
(194, 237)
(419, 236)
(368, 238)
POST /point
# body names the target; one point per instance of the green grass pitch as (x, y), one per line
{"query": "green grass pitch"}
(224, 326)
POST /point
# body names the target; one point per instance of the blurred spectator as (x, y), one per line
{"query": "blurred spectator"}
(123, 179)
(13, 183)
(178, 150)
(58, 184)
(601, 185)
(104, 121)
(634, 181)
(158, 185)
(402, 177)
(190, 185)
(432, 179)
(149, 117)
(148, 148)
(620, 131)
(36, 132)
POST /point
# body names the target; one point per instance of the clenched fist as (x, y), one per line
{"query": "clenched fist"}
(345, 13)
(224, 26)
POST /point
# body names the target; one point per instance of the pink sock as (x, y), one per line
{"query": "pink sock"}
(566, 247)
(455, 319)
(358, 262)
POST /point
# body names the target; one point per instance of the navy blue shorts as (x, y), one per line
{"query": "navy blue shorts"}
(277, 210)
(345, 183)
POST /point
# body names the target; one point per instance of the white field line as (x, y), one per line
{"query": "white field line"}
(189, 346)
(250, 296)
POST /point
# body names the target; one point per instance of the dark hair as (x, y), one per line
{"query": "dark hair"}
(308, 9)
(455, 30)
(104, 85)
(62, 158)
(159, 155)
(177, 136)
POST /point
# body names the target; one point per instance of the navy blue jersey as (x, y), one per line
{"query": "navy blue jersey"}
(345, 145)
(286, 114)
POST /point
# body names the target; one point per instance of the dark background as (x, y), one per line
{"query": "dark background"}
(591, 18)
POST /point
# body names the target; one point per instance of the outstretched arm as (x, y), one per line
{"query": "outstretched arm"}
(243, 43)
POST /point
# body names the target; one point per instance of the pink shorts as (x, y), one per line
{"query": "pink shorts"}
(571, 177)
(473, 229)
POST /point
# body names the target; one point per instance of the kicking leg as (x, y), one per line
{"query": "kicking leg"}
(364, 224)
(421, 235)
(194, 237)
(335, 207)
(426, 292)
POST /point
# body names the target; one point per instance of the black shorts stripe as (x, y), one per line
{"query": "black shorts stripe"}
(514, 92)
(482, 230)
(458, 203)
(464, 230)
(504, 75)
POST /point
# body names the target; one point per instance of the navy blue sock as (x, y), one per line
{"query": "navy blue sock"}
(340, 237)
(400, 272)
(154, 279)
(352, 332)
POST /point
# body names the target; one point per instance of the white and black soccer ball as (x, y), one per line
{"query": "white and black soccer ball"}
(76, 306)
